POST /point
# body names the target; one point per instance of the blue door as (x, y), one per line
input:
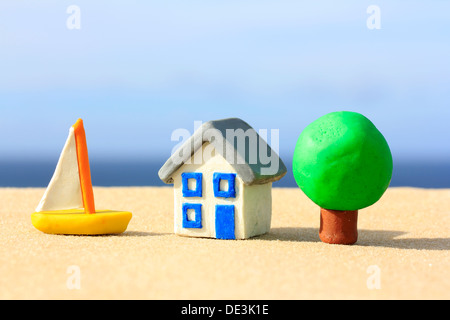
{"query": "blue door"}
(225, 222)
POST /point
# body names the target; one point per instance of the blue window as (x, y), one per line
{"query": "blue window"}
(197, 222)
(197, 192)
(231, 178)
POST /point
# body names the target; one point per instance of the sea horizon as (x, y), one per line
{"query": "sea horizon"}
(144, 172)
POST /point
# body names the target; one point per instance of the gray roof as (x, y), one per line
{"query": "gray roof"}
(239, 144)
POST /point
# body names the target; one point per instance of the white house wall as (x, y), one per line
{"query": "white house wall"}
(257, 209)
(215, 163)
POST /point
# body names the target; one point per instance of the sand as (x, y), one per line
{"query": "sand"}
(402, 252)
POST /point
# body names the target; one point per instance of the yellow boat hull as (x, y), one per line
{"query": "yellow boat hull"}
(77, 222)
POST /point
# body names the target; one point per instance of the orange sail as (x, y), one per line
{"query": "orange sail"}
(84, 168)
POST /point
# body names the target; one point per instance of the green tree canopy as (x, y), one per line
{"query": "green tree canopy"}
(342, 162)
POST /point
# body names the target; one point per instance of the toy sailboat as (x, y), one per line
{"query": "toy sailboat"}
(67, 206)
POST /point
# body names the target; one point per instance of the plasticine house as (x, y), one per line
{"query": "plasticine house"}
(222, 177)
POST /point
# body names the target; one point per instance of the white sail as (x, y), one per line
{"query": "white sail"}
(64, 190)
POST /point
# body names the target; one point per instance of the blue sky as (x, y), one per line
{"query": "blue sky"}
(137, 70)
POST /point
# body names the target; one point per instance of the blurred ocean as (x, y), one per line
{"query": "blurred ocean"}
(145, 173)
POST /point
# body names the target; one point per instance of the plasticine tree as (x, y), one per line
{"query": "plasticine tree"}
(343, 164)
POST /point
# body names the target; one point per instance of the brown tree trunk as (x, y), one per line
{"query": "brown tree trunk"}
(338, 227)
